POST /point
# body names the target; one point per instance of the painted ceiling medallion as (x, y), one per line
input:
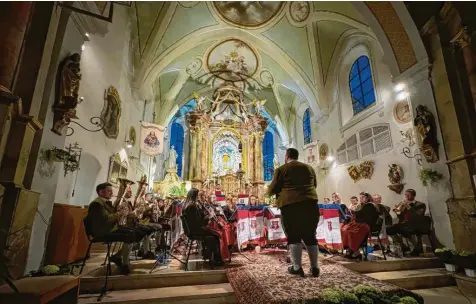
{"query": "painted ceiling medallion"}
(248, 13)
(299, 10)
(232, 60)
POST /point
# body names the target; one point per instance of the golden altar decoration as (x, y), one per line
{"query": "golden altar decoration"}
(172, 185)
(226, 143)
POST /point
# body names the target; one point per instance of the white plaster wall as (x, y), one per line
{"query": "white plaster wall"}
(105, 61)
(339, 126)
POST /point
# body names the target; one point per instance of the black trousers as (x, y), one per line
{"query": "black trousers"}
(300, 222)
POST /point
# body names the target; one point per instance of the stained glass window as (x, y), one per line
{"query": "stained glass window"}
(176, 140)
(361, 84)
(306, 125)
(268, 156)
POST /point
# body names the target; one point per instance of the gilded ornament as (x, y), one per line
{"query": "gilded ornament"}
(364, 170)
(395, 176)
(426, 129)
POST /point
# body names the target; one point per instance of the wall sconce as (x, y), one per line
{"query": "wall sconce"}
(69, 157)
(401, 90)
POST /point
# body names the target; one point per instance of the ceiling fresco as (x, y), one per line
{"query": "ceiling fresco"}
(248, 13)
(232, 60)
(278, 51)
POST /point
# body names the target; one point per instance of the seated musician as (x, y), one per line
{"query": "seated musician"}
(230, 208)
(412, 220)
(363, 221)
(327, 200)
(197, 219)
(383, 209)
(253, 200)
(354, 205)
(103, 220)
(337, 199)
(151, 219)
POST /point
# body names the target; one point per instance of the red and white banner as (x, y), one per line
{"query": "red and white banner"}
(250, 227)
(328, 230)
(243, 199)
(274, 227)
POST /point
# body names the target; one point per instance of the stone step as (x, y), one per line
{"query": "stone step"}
(155, 280)
(394, 265)
(416, 279)
(195, 294)
(445, 295)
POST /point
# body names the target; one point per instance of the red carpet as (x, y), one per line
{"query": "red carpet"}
(266, 281)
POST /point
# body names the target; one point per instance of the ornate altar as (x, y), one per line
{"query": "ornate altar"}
(226, 142)
(172, 185)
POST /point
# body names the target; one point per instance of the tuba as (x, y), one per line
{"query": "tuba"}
(123, 184)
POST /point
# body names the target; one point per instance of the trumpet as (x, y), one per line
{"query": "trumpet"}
(401, 207)
(123, 184)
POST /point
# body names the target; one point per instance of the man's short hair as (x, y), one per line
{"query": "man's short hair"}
(292, 153)
(354, 197)
(411, 191)
(102, 187)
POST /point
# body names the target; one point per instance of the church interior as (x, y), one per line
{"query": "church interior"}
(116, 115)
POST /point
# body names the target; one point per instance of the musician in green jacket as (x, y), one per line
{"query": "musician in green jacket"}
(294, 184)
(103, 219)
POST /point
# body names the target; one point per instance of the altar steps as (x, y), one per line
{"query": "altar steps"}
(194, 294)
(416, 279)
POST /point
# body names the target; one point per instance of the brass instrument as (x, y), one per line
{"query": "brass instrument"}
(401, 207)
(142, 184)
(123, 184)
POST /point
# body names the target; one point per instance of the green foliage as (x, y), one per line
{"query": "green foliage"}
(349, 298)
(332, 296)
(408, 300)
(441, 250)
(50, 270)
(429, 177)
(395, 299)
(366, 300)
(465, 253)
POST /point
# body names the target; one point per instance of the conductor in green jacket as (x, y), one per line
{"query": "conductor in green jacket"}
(294, 184)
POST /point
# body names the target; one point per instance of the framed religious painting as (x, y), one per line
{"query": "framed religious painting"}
(117, 169)
(311, 154)
(111, 112)
(401, 112)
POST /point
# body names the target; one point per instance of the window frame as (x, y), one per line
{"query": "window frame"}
(360, 85)
(306, 126)
(173, 142)
(268, 156)
(359, 143)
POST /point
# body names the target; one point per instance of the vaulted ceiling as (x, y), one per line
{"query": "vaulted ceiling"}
(286, 49)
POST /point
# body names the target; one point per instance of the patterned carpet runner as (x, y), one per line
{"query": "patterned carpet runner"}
(266, 281)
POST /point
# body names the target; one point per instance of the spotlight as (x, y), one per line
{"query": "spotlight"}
(83, 47)
(402, 95)
(129, 146)
(87, 34)
(399, 87)
(330, 158)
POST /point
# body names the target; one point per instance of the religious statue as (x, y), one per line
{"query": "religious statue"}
(200, 101)
(67, 97)
(275, 161)
(407, 135)
(258, 104)
(395, 176)
(172, 160)
(426, 129)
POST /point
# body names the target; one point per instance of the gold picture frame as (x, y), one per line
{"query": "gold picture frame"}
(117, 169)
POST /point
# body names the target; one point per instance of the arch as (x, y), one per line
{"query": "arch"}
(306, 126)
(209, 34)
(268, 156)
(176, 140)
(244, 153)
(361, 84)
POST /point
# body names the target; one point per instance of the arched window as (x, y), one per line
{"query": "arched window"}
(176, 140)
(268, 156)
(361, 84)
(306, 126)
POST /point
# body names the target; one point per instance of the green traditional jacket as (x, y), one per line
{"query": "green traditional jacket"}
(102, 217)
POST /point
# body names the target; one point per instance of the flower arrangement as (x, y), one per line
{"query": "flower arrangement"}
(429, 177)
(445, 254)
(362, 294)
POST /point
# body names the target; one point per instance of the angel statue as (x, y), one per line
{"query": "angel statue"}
(258, 104)
(199, 100)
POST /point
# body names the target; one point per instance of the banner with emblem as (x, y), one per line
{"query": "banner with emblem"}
(274, 225)
(151, 138)
(242, 227)
(243, 199)
(328, 231)
(256, 225)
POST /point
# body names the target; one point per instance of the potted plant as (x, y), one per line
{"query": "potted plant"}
(429, 177)
(467, 260)
(446, 255)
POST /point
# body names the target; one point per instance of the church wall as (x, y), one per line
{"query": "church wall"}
(105, 61)
(337, 128)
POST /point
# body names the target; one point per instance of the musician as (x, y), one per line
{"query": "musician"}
(384, 210)
(363, 221)
(149, 217)
(229, 209)
(337, 199)
(412, 220)
(197, 219)
(104, 220)
(253, 200)
(354, 204)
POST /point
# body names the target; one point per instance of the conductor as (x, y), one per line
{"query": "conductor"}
(294, 184)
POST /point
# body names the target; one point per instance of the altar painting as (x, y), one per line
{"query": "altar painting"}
(226, 155)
